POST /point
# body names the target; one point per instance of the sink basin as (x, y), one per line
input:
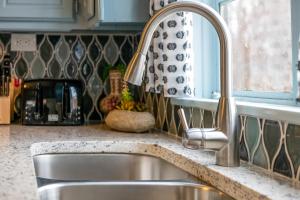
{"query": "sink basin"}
(130, 191)
(112, 176)
(52, 168)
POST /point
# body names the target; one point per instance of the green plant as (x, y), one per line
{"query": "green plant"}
(128, 103)
(126, 94)
(120, 67)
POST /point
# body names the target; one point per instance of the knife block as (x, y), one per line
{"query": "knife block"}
(6, 106)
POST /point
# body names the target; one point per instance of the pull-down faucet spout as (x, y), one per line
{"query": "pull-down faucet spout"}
(225, 132)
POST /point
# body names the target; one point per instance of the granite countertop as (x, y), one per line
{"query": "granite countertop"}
(17, 179)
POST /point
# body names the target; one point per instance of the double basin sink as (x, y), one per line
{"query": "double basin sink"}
(116, 177)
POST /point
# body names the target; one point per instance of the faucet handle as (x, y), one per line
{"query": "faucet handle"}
(183, 119)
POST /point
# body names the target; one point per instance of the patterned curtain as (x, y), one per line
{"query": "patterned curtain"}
(169, 63)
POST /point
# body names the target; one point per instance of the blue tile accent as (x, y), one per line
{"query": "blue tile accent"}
(282, 164)
(243, 150)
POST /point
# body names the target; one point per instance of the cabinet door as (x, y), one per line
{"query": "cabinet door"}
(37, 10)
(124, 11)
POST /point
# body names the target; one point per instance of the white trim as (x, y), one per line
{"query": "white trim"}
(289, 114)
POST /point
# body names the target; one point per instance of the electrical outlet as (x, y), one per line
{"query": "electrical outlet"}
(23, 42)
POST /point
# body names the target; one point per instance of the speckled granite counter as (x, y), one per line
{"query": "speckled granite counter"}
(17, 180)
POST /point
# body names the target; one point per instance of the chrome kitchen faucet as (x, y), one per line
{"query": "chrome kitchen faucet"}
(224, 139)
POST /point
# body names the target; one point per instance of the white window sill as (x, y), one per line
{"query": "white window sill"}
(290, 114)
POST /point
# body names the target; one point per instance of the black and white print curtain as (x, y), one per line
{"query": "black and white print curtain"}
(169, 66)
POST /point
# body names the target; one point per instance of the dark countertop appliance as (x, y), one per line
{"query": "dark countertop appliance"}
(52, 102)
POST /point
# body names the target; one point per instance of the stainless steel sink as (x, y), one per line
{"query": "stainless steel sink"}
(130, 191)
(113, 176)
(51, 168)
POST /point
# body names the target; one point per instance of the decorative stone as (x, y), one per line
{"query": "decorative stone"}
(129, 121)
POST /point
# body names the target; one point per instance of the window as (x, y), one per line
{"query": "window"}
(262, 48)
(261, 36)
(265, 49)
(206, 57)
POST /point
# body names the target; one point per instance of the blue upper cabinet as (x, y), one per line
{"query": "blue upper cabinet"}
(37, 10)
(115, 14)
(66, 15)
(38, 15)
(124, 11)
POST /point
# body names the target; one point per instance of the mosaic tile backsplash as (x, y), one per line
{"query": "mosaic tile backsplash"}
(74, 56)
(272, 145)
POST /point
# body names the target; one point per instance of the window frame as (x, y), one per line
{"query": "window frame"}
(206, 54)
(210, 77)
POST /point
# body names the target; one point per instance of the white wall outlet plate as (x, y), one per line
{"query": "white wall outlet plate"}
(23, 42)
